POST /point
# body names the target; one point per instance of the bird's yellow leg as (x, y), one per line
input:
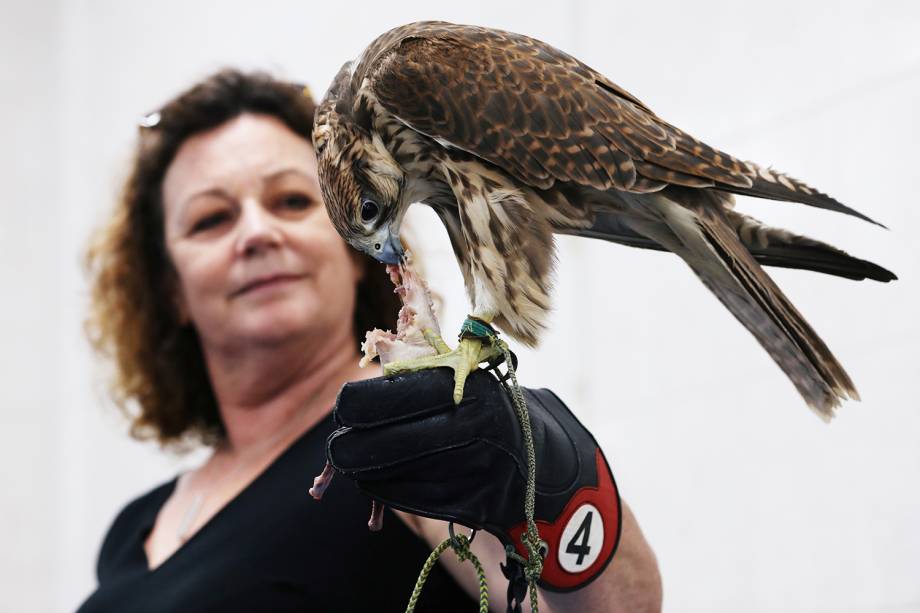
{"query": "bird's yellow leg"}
(463, 360)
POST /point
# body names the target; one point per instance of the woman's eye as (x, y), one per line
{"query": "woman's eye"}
(369, 210)
(296, 202)
(209, 221)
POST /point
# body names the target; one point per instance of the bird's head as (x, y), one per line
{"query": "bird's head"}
(362, 186)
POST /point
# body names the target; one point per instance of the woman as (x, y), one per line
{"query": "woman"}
(232, 310)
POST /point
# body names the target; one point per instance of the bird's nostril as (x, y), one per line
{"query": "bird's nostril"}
(377, 246)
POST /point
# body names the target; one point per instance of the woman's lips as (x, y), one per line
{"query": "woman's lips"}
(266, 282)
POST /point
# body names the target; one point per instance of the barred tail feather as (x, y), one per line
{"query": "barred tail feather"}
(713, 250)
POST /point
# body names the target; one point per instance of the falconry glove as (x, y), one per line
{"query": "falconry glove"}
(406, 444)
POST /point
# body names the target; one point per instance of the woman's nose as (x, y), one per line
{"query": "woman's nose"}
(257, 230)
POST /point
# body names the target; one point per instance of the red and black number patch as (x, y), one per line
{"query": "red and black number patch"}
(583, 539)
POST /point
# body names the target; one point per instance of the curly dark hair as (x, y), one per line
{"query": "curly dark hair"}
(161, 380)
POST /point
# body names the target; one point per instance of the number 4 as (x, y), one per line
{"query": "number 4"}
(583, 533)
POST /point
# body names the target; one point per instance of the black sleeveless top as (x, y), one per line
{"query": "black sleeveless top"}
(273, 548)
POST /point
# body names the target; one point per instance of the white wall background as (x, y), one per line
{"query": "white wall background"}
(750, 502)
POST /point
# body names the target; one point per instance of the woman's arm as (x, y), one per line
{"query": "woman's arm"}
(630, 583)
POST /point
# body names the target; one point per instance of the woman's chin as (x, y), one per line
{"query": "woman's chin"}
(272, 326)
(277, 322)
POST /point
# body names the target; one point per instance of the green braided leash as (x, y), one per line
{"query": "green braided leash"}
(461, 546)
(536, 549)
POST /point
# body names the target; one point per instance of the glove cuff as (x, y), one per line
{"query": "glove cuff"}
(583, 537)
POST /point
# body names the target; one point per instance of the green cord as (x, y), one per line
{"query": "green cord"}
(461, 546)
(533, 563)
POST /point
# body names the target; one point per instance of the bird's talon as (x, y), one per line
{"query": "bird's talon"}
(463, 360)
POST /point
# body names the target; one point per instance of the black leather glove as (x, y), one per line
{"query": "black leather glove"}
(406, 444)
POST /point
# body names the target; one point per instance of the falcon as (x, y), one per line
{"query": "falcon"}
(511, 141)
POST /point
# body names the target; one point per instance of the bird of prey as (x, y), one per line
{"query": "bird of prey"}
(511, 140)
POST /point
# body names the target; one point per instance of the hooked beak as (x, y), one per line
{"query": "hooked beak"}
(387, 248)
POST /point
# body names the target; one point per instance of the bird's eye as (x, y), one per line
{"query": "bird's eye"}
(369, 210)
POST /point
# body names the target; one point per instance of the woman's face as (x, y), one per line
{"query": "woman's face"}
(257, 258)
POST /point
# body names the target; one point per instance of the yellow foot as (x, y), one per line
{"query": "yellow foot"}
(463, 360)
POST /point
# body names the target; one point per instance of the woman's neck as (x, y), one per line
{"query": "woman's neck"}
(264, 391)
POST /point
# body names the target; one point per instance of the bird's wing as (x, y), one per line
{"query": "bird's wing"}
(543, 116)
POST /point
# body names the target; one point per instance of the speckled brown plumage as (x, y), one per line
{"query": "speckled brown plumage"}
(512, 140)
